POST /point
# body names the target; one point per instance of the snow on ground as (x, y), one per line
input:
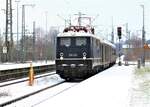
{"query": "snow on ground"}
(115, 87)
(43, 96)
(6, 66)
(140, 90)
(13, 91)
(111, 88)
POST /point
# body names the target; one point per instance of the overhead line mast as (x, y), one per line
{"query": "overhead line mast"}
(8, 31)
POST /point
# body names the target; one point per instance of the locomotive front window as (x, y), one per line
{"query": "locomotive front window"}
(65, 42)
(81, 41)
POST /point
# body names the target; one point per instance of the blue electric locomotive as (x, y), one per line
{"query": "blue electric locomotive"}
(80, 54)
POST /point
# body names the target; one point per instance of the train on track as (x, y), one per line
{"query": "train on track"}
(80, 54)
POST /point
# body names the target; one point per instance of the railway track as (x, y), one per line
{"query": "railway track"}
(19, 81)
(30, 94)
(42, 97)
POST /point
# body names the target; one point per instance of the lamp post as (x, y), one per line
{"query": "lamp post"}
(143, 37)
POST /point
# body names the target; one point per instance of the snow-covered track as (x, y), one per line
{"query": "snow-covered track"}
(30, 94)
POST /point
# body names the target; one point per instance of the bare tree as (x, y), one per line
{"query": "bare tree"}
(53, 32)
(40, 44)
(135, 50)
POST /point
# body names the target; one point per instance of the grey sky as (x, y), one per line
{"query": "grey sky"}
(122, 11)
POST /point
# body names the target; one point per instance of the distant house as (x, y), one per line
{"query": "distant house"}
(133, 53)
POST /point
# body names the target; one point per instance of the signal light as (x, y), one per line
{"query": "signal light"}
(119, 32)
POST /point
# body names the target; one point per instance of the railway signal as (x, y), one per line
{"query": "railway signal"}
(119, 32)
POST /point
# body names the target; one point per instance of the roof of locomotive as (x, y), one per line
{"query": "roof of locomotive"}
(74, 34)
(82, 31)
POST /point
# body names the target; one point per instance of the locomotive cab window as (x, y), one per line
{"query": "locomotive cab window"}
(65, 42)
(81, 41)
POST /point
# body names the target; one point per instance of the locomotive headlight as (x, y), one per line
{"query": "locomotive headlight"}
(61, 56)
(84, 55)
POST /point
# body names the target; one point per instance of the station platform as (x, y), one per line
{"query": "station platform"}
(6, 66)
(110, 88)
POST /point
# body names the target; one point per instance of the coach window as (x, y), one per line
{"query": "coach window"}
(81, 41)
(65, 42)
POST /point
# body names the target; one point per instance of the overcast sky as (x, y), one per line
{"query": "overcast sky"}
(122, 11)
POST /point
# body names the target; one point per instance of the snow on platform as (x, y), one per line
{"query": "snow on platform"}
(110, 88)
(6, 66)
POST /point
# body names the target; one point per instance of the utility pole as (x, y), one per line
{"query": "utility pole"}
(23, 33)
(127, 32)
(127, 39)
(70, 20)
(79, 19)
(34, 38)
(17, 28)
(143, 36)
(112, 33)
(23, 54)
(8, 31)
(46, 37)
(128, 36)
(65, 20)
